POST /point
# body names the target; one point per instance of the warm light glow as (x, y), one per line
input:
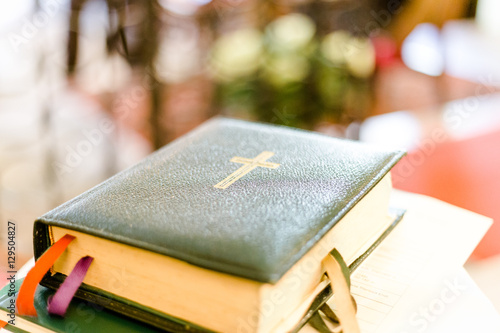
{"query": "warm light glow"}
(287, 69)
(237, 54)
(291, 32)
(335, 46)
(361, 61)
(358, 54)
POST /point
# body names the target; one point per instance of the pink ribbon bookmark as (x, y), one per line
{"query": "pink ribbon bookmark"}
(59, 302)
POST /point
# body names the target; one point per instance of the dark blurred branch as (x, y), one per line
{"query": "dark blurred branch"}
(74, 27)
(150, 45)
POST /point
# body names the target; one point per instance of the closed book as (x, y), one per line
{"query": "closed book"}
(225, 227)
(84, 316)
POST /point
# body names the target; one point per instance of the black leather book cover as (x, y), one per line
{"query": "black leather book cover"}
(242, 198)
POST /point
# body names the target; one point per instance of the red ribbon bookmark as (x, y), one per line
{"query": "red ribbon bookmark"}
(26, 297)
(59, 302)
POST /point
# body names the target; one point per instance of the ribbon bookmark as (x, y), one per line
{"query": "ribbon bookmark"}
(338, 272)
(59, 302)
(25, 299)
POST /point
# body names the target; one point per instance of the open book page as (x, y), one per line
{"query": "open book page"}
(411, 265)
(405, 285)
(453, 303)
(447, 302)
(410, 268)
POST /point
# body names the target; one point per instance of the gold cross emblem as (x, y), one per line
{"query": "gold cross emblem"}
(249, 165)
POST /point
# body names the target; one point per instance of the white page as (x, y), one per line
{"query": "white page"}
(410, 282)
(405, 286)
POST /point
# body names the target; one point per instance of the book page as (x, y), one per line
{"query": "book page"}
(447, 302)
(414, 281)
(406, 285)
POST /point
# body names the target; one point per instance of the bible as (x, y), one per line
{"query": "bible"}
(225, 228)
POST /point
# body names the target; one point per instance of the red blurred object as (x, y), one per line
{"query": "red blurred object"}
(386, 51)
(464, 173)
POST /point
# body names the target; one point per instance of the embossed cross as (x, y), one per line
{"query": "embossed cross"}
(249, 165)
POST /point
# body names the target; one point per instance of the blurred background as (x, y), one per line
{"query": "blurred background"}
(90, 87)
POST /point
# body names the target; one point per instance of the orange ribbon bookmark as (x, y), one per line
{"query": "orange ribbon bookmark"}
(26, 297)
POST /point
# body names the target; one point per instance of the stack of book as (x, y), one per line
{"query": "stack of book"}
(225, 229)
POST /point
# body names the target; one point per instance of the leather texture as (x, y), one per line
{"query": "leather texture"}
(256, 228)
